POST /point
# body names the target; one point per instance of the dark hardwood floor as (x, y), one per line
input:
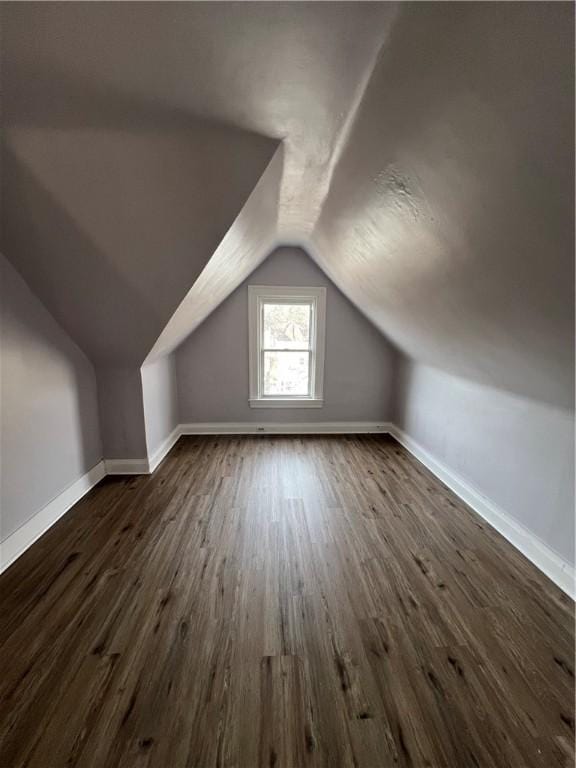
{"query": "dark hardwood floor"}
(282, 601)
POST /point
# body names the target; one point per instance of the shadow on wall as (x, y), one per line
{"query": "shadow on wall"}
(57, 101)
(62, 263)
(48, 409)
(126, 198)
(87, 415)
(104, 225)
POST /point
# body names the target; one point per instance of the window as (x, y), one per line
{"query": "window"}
(286, 327)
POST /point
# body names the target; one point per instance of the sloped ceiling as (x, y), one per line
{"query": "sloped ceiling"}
(426, 164)
(111, 227)
(450, 218)
(286, 70)
(247, 243)
(135, 135)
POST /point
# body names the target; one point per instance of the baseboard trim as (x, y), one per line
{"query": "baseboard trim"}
(540, 554)
(279, 428)
(165, 447)
(16, 544)
(19, 541)
(127, 466)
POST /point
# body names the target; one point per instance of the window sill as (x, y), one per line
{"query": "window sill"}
(293, 402)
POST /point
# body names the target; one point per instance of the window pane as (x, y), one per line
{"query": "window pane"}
(286, 373)
(286, 326)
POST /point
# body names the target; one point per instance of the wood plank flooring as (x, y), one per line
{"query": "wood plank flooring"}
(282, 602)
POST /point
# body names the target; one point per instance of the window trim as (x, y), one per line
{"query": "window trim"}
(260, 294)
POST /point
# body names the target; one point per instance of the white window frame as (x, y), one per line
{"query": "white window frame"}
(258, 295)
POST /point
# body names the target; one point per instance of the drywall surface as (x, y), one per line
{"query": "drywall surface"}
(246, 244)
(134, 137)
(517, 452)
(49, 429)
(428, 156)
(450, 217)
(121, 410)
(160, 398)
(99, 219)
(212, 364)
(281, 69)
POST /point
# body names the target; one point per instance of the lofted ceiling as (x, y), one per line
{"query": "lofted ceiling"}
(450, 217)
(155, 153)
(112, 227)
(291, 71)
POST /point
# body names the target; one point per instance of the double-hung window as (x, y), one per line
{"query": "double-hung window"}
(286, 340)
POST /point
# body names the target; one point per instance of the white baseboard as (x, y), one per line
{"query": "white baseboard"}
(127, 466)
(147, 466)
(143, 466)
(544, 558)
(549, 562)
(164, 448)
(19, 541)
(16, 544)
(279, 428)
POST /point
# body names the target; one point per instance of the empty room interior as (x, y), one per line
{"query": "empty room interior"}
(287, 385)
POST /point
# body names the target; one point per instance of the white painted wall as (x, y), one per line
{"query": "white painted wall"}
(160, 396)
(49, 433)
(519, 453)
(212, 364)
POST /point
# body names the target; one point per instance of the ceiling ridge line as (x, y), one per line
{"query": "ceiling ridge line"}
(345, 131)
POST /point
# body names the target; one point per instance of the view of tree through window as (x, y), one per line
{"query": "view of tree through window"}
(286, 349)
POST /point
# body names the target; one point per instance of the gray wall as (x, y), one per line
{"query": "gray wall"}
(48, 408)
(121, 409)
(138, 408)
(160, 397)
(212, 365)
(517, 452)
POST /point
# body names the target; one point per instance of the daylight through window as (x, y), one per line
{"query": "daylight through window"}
(286, 346)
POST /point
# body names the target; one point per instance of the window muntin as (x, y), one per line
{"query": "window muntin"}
(286, 346)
